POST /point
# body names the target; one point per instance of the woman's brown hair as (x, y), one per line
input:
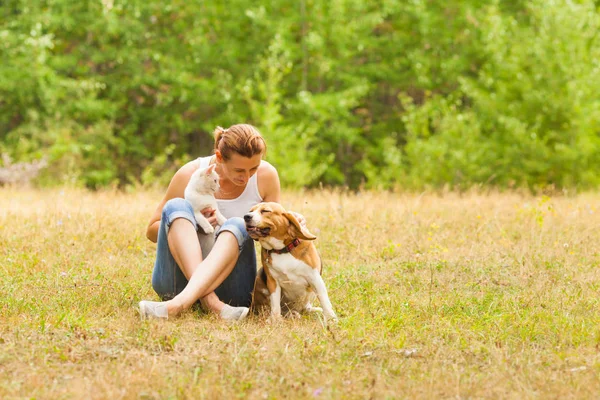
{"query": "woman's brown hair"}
(242, 139)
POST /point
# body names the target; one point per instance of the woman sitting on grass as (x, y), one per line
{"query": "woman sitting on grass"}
(220, 274)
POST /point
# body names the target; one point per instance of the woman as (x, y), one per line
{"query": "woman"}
(187, 267)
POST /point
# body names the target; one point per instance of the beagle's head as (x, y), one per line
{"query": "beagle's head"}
(271, 220)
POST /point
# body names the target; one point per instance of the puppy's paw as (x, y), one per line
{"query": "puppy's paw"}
(208, 229)
(294, 315)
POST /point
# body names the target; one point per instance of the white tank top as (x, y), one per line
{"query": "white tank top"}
(244, 202)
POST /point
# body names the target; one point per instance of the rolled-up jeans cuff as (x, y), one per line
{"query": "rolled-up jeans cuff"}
(232, 226)
(180, 214)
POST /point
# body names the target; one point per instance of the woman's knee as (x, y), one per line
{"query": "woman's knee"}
(237, 227)
(177, 208)
(177, 205)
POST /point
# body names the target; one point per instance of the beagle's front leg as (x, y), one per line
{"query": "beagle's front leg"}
(319, 287)
(275, 296)
(276, 303)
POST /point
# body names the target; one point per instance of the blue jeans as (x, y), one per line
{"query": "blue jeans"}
(167, 278)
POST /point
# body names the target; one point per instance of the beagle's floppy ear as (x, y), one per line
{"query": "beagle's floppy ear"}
(210, 169)
(297, 229)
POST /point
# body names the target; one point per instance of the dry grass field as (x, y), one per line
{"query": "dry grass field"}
(453, 296)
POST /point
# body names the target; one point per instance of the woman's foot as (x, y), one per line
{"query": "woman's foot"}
(159, 309)
(229, 313)
(153, 309)
(164, 309)
(212, 303)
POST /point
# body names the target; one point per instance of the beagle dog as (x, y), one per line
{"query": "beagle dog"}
(291, 272)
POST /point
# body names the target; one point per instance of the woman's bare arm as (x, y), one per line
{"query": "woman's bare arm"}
(271, 189)
(268, 183)
(176, 189)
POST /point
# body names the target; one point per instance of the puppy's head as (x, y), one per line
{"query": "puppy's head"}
(271, 220)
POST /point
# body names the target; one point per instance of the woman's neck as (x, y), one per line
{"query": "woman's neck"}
(227, 189)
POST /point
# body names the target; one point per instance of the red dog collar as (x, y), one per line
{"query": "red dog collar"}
(288, 248)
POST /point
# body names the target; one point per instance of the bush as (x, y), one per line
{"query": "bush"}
(530, 115)
(346, 92)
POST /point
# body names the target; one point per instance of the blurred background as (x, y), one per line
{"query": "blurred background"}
(399, 95)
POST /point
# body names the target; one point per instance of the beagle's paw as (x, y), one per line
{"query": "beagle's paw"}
(309, 308)
(331, 319)
(274, 319)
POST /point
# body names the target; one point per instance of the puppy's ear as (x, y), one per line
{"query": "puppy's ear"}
(210, 169)
(299, 230)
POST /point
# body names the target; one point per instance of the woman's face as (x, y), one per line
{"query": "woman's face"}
(238, 169)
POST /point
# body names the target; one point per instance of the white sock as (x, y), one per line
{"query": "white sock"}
(234, 313)
(153, 309)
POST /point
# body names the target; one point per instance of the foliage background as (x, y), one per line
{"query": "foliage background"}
(380, 94)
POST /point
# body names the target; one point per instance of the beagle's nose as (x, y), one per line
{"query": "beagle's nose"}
(247, 217)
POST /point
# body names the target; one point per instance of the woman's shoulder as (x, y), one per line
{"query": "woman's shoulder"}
(183, 175)
(266, 170)
(268, 181)
(266, 166)
(189, 167)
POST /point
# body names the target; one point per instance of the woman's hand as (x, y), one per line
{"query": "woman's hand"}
(300, 218)
(209, 214)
